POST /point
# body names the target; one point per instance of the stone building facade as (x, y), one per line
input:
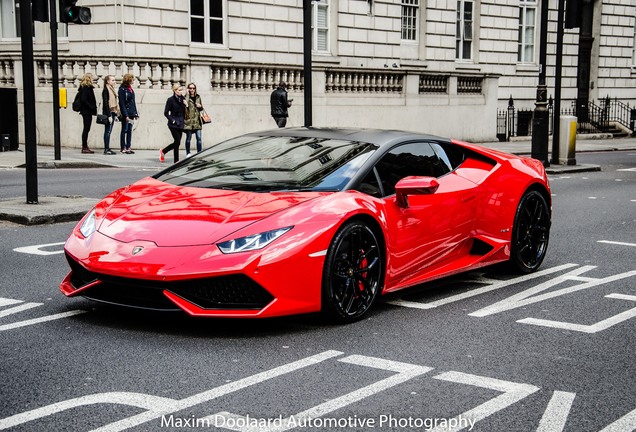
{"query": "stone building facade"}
(438, 66)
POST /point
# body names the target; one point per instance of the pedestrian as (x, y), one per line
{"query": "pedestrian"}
(193, 118)
(129, 113)
(279, 104)
(88, 108)
(175, 113)
(110, 108)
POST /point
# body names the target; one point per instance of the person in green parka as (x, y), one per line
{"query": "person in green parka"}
(193, 118)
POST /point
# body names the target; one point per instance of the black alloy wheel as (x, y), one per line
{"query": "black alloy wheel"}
(530, 233)
(352, 273)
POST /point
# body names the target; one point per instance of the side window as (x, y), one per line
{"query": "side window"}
(370, 185)
(414, 159)
(451, 156)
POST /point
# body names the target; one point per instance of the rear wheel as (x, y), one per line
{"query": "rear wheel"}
(352, 273)
(530, 233)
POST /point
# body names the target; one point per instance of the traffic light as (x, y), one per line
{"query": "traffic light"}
(71, 13)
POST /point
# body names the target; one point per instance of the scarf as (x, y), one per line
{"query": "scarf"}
(113, 106)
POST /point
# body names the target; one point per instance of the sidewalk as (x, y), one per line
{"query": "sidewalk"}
(69, 208)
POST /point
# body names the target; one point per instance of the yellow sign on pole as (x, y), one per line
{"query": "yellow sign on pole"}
(63, 97)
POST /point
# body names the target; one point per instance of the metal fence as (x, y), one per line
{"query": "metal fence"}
(591, 118)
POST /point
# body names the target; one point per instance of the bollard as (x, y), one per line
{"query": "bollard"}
(567, 140)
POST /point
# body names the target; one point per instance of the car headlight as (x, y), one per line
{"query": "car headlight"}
(88, 225)
(252, 242)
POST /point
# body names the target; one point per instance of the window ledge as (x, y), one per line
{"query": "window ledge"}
(209, 51)
(527, 67)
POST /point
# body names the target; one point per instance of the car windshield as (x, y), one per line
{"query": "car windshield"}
(272, 163)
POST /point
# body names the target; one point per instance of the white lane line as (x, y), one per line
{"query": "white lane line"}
(17, 309)
(512, 393)
(472, 293)
(37, 249)
(405, 372)
(617, 243)
(592, 328)
(123, 398)
(8, 301)
(40, 320)
(627, 423)
(158, 406)
(528, 296)
(217, 392)
(556, 414)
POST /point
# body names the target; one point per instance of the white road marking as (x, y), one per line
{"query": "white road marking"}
(217, 392)
(626, 169)
(556, 414)
(16, 309)
(512, 393)
(405, 372)
(495, 285)
(8, 301)
(158, 406)
(627, 423)
(37, 249)
(617, 243)
(526, 297)
(592, 328)
(26, 306)
(41, 319)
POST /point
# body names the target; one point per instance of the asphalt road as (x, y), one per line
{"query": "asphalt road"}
(549, 352)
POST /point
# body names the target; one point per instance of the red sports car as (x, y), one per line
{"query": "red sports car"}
(302, 220)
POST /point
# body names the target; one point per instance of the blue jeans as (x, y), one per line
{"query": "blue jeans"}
(108, 128)
(189, 133)
(125, 139)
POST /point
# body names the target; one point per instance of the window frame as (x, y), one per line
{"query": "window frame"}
(460, 30)
(522, 43)
(316, 6)
(410, 20)
(10, 17)
(207, 20)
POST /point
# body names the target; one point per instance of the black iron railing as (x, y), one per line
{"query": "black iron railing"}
(591, 118)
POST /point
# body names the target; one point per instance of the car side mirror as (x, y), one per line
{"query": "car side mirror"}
(414, 185)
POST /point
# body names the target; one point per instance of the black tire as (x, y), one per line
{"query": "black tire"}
(352, 274)
(530, 233)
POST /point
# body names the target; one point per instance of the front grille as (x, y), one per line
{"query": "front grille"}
(221, 292)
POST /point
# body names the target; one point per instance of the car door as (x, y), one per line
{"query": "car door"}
(434, 227)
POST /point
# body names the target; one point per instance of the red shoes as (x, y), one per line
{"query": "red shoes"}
(162, 158)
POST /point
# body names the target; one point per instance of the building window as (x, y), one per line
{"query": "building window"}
(320, 25)
(634, 42)
(9, 19)
(464, 30)
(206, 21)
(410, 10)
(527, 25)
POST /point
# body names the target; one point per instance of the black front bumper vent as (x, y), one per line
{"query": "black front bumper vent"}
(236, 291)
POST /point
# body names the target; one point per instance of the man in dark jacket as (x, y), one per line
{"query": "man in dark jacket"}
(279, 104)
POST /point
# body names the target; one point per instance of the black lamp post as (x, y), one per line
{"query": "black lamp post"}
(540, 118)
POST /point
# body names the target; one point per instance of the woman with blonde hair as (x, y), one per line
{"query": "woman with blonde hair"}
(129, 113)
(110, 108)
(175, 113)
(88, 108)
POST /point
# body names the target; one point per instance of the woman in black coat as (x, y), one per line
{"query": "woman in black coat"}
(88, 108)
(175, 113)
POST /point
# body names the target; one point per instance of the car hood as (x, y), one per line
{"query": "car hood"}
(169, 215)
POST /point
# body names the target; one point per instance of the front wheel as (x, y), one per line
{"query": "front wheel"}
(530, 233)
(352, 273)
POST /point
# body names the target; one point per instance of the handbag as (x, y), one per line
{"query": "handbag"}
(205, 117)
(102, 119)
